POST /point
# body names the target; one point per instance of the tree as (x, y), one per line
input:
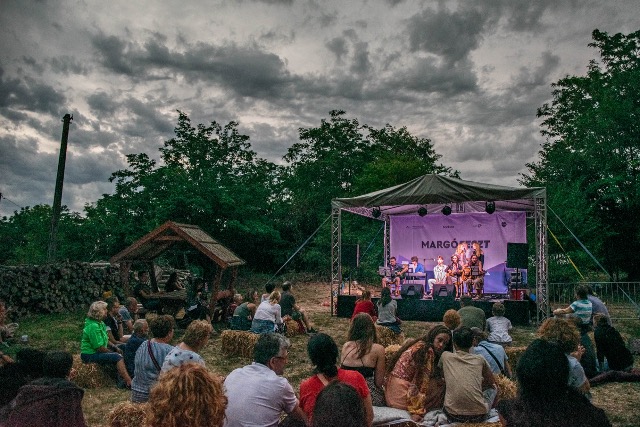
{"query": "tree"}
(591, 153)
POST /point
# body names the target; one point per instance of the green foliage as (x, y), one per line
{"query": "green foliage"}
(590, 159)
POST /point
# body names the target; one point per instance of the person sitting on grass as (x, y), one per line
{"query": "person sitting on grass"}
(288, 307)
(243, 314)
(195, 338)
(470, 315)
(269, 288)
(387, 311)
(95, 346)
(451, 319)
(339, 405)
(140, 332)
(493, 353)
(614, 358)
(364, 305)
(499, 326)
(13, 375)
(51, 401)
(187, 396)
(544, 396)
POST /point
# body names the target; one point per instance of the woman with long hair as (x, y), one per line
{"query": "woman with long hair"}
(187, 396)
(387, 309)
(361, 353)
(268, 315)
(414, 381)
(173, 284)
(323, 353)
(364, 305)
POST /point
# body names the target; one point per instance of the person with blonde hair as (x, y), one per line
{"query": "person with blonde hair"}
(95, 346)
(268, 315)
(195, 338)
(499, 326)
(362, 354)
(187, 396)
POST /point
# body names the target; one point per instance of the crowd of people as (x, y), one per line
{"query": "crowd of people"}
(447, 374)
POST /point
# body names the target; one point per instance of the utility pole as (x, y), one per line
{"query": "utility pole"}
(57, 197)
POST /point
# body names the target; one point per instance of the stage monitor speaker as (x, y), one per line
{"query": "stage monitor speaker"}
(518, 255)
(444, 292)
(351, 255)
(411, 290)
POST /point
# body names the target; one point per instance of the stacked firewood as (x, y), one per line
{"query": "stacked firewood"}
(55, 288)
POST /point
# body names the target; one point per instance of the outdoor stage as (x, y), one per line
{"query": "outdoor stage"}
(430, 310)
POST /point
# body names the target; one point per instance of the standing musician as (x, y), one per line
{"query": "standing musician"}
(474, 276)
(439, 274)
(454, 273)
(396, 273)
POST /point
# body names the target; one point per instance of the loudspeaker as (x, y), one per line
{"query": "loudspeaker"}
(350, 255)
(411, 290)
(444, 292)
(518, 255)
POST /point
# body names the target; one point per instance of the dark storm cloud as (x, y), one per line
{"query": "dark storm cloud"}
(87, 167)
(526, 15)
(338, 46)
(429, 75)
(102, 104)
(66, 64)
(538, 75)
(29, 94)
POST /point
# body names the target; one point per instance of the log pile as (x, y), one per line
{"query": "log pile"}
(56, 288)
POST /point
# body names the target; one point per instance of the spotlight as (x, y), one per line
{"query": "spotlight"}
(490, 207)
(422, 211)
(446, 210)
(376, 212)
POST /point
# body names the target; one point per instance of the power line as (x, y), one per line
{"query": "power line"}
(3, 197)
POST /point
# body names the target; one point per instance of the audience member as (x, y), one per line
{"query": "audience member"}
(195, 338)
(470, 385)
(95, 346)
(499, 326)
(544, 398)
(597, 305)
(269, 288)
(140, 332)
(588, 360)
(363, 354)
(289, 308)
(268, 315)
(614, 358)
(142, 291)
(493, 353)
(258, 393)
(451, 319)
(243, 314)
(13, 375)
(339, 405)
(323, 353)
(150, 357)
(365, 305)
(471, 316)
(387, 309)
(187, 396)
(50, 401)
(581, 308)
(173, 284)
(113, 323)
(567, 336)
(414, 380)
(129, 314)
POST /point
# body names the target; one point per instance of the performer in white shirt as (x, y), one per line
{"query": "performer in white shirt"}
(439, 273)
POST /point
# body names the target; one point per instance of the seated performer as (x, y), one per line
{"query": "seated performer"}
(439, 274)
(475, 277)
(415, 266)
(396, 273)
(454, 273)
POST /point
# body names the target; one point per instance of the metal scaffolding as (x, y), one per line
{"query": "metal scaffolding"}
(542, 273)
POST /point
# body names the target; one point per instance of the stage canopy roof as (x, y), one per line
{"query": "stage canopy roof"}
(435, 191)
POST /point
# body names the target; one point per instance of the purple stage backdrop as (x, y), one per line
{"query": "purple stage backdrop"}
(433, 235)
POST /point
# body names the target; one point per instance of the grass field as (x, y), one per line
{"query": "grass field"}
(621, 401)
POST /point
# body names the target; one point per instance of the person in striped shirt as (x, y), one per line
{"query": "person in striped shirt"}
(581, 308)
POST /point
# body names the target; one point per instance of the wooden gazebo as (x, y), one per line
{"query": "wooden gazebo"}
(216, 258)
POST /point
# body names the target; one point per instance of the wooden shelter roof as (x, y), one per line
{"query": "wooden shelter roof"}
(150, 246)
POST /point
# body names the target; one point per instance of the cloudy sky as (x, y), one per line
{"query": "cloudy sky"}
(466, 74)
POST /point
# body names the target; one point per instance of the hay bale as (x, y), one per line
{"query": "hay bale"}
(387, 337)
(92, 375)
(238, 343)
(293, 328)
(389, 352)
(507, 388)
(127, 414)
(514, 353)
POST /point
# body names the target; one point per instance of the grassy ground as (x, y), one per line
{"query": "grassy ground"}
(621, 401)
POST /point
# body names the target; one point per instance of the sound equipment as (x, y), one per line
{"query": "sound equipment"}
(444, 292)
(350, 255)
(412, 290)
(518, 255)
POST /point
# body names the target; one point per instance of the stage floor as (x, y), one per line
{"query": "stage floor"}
(430, 310)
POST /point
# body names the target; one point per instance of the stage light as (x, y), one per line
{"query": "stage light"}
(490, 207)
(446, 210)
(376, 212)
(422, 211)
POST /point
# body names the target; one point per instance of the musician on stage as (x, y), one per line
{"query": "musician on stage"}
(474, 276)
(454, 273)
(396, 273)
(439, 274)
(415, 266)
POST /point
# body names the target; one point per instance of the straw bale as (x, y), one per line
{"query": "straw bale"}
(507, 388)
(293, 328)
(514, 353)
(92, 375)
(127, 414)
(386, 336)
(389, 351)
(238, 343)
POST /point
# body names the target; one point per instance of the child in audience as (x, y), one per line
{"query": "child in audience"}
(499, 326)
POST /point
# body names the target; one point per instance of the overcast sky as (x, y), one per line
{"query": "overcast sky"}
(469, 75)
